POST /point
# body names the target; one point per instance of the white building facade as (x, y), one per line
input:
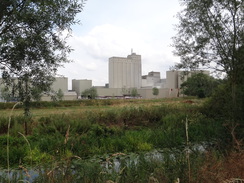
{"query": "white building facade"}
(125, 72)
(152, 80)
(175, 78)
(60, 83)
(81, 85)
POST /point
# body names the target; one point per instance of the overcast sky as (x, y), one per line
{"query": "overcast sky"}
(114, 27)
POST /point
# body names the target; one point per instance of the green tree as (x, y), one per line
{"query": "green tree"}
(60, 95)
(200, 85)
(90, 93)
(211, 34)
(125, 91)
(32, 45)
(36, 93)
(134, 92)
(9, 93)
(155, 91)
(5, 95)
(211, 31)
(57, 95)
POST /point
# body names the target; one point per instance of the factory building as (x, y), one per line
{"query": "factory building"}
(152, 80)
(81, 85)
(60, 83)
(175, 78)
(125, 75)
(125, 72)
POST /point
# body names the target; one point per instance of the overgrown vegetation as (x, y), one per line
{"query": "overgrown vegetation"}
(88, 146)
(211, 35)
(90, 93)
(200, 85)
(155, 91)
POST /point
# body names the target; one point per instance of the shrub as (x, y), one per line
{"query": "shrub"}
(17, 150)
(228, 106)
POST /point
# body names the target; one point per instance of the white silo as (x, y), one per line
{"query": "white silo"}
(125, 72)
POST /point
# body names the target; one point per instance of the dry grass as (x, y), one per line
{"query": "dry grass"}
(49, 111)
(43, 112)
(227, 170)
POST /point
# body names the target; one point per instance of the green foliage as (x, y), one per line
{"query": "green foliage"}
(211, 34)
(52, 104)
(132, 143)
(16, 125)
(200, 85)
(203, 37)
(219, 105)
(57, 96)
(5, 95)
(18, 150)
(90, 93)
(125, 129)
(130, 168)
(32, 45)
(223, 106)
(134, 92)
(171, 131)
(36, 93)
(36, 157)
(155, 91)
(60, 94)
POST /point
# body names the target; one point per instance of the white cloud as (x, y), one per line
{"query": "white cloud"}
(114, 30)
(91, 66)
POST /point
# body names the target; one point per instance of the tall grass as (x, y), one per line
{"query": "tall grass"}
(126, 129)
(95, 135)
(135, 168)
(8, 164)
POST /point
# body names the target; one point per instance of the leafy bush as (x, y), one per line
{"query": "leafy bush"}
(3, 125)
(36, 157)
(200, 85)
(228, 106)
(17, 150)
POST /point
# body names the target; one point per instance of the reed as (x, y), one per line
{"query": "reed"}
(10, 116)
(188, 150)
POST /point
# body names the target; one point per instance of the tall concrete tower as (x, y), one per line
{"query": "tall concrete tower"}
(125, 72)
